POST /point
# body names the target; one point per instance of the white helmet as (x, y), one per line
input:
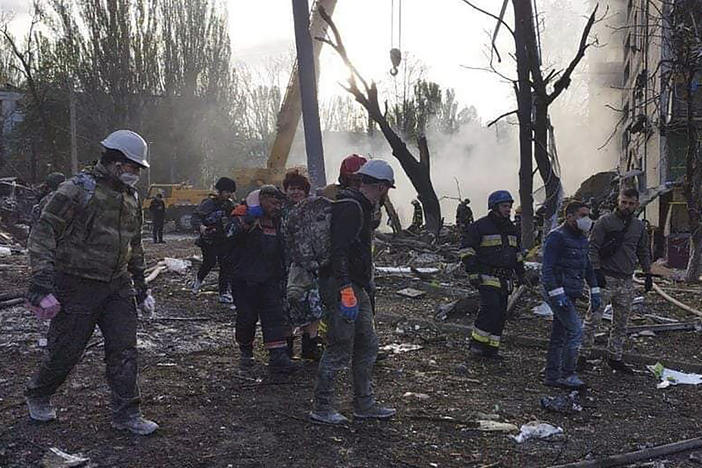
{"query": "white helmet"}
(378, 169)
(130, 144)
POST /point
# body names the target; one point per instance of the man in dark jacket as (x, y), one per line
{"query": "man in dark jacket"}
(492, 256)
(617, 242)
(565, 266)
(158, 217)
(464, 215)
(258, 276)
(212, 216)
(345, 286)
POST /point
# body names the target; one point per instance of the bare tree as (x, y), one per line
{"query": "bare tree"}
(418, 170)
(536, 89)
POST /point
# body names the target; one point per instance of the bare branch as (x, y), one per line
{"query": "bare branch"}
(493, 122)
(497, 30)
(500, 20)
(564, 81)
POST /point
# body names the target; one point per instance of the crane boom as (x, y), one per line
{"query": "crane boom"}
(291, 108)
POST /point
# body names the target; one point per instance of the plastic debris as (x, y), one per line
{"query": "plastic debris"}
(5, 252)
(670, 377)
(495, 426)
(405, 270)
(537, 430)
(56, 458)
(411, 293)
(177, 265)
(567, 404)
(419, 396)
(397, 348)
(543, 310)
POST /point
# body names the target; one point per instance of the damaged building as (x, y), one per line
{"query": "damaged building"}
(653, 123)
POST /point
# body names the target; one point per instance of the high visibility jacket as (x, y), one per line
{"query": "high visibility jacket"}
(490, 250)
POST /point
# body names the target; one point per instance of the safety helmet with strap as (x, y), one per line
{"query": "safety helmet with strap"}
(130, 144)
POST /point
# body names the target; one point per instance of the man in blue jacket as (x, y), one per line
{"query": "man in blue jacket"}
(565, 266)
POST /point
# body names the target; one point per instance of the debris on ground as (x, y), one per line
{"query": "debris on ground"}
(537, 430)
(567, 404)
(488, 425)
(56, 458)
(419, 396)
(411, 293)
(670, 377)
(458, 308)
(397, 348)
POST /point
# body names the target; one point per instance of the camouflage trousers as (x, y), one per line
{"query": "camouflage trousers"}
(85, 304)
(620, 293)
(347, 341)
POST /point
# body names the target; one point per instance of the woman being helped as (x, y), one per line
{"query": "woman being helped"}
(306, 313)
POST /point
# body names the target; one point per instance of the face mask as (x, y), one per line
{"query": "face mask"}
(584, 224)
(128, 178)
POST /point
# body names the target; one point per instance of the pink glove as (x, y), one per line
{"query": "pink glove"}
(48, 307)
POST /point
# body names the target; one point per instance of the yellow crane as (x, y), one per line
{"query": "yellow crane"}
(288, 117)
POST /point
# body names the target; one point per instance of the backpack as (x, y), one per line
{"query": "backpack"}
(307, 232)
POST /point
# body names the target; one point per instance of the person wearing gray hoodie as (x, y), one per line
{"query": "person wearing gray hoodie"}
(618, 242)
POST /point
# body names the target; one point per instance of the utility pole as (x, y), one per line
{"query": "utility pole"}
(308, 92)
(74, 145)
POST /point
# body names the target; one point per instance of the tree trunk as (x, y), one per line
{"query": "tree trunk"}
(693, 179)
(418, 173)
(524, 108)
(551, 181)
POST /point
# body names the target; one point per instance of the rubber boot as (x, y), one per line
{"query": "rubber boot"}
(246, 360)
(311, 348)
(136, 425)
(280, 363)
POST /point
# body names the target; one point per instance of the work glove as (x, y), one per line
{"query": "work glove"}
(44, 306)
(601, 281)
(648, 283)
(349, 304)
(474, 280)
(595, 299)
(147, 305)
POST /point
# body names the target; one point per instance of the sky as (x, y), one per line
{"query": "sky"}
(442, 34)
(445, 36)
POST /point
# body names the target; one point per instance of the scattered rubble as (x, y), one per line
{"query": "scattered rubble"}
(56, 458)
(538, 430)
(566, 404)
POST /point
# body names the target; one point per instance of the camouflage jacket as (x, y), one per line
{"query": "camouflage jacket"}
(91, 228)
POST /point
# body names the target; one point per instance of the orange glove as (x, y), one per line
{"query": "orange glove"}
(349, 304)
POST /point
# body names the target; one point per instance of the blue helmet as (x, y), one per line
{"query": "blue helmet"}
(501, 196)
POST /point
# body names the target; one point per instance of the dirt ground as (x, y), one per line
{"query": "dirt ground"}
(213, 415)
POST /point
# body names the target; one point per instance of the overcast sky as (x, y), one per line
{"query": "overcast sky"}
(442, 34)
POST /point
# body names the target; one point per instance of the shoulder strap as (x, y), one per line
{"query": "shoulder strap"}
(360, 213)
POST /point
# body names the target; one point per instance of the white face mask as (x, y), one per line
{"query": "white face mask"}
(584, 224)
(128, 178)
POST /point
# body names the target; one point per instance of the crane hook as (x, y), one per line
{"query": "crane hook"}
(395, 59)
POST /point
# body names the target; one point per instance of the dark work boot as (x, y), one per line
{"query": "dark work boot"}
(279, 362)
(310, 348)
(246, 360)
